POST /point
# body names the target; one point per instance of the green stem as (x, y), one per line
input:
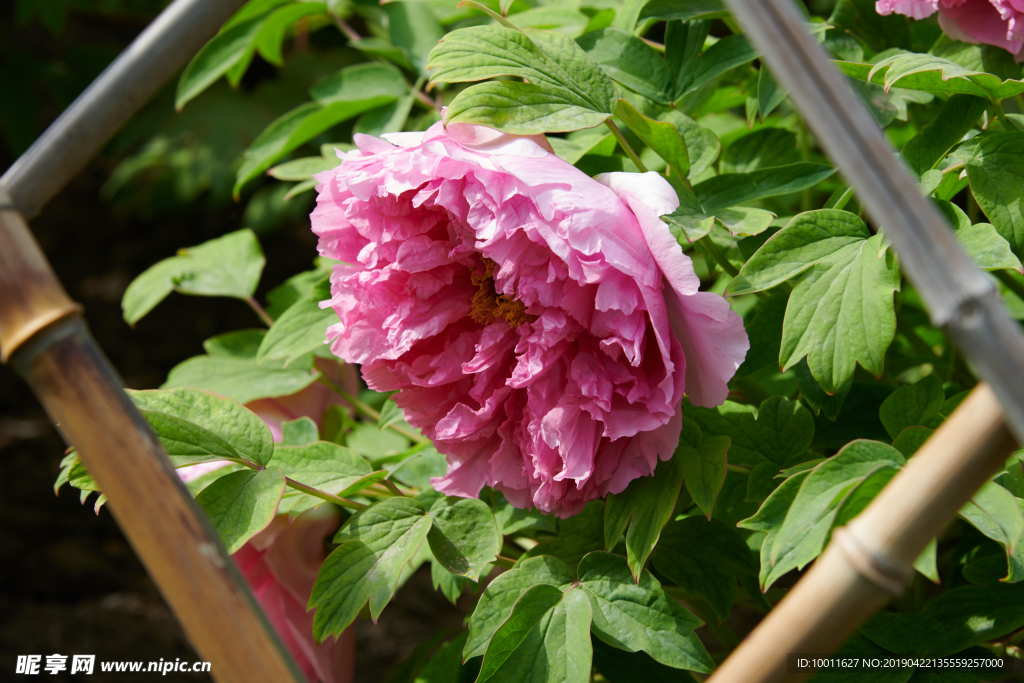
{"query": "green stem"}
(915, 340)
(394, 489)
(323, 495)
(739, 469)
(624, 144)
(255, 305)
(804, 141)
(717, 254)
(1012, 283)
(369, 412)
(1001, 115)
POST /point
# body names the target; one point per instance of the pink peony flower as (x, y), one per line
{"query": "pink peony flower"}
(995, 22)
(541, 326)
(281, 562)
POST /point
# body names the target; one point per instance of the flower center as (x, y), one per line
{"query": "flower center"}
(488, 305)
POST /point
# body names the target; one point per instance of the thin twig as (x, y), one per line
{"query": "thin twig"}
(323, 495)
(739, 469)
(394, 489)
(717, 254)
(255, 305)
(369, 412)
(344, 27)
(624, 144)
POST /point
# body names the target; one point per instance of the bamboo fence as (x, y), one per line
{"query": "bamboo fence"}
(870, 560)
(42, 334)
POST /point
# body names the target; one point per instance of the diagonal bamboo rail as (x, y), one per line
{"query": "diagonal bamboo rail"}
(871, 558)
(43, 336)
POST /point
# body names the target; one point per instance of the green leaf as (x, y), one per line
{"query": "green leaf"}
(808, 239)
(688, 223)
(631, 62)
(326, 466)
(237, 374)
(958, 116)
(841, 314)
(464, 537)
(769, 94)
(234, 424)
(645, 507)
(769, 520)
(226, 266)
(222, 52)
(996, 175)
(636, 616)
(565, 89)
(512, 519)
(496, 602)
(704, 470)
(975, 614)
(704, 558)
(361, 82)
(376, 543)
(576, 145)
(520, 109)
(301, 330)
(301, 169)
(702, 145)
(910, 439)
(826, 485)
(782, 431)
(765, 147)
(683, 10)
(450, 585)
(728, 53)
(995, 512)
(300, 432)
(546, 637)
(577, 536)
(932, 74)
(916, 405)
(986, 247)
(271, 32)
(242, 504)
(730, 189)
(390, 413)
(764, 327)
(660, 136)
(414, 29)
(446, 664)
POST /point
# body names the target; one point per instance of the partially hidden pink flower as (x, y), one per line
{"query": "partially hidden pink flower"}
(994, 22)
(281, 562)
(540, 325)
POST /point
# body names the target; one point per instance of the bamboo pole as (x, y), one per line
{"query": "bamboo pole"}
(158, 53)
(870, 560)
(43, 336)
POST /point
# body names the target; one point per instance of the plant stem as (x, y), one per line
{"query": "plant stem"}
(344, 27)
(369, 412)
(1001, 115)
(255, 305)
(717, 254)
(394, 489)
(624, 144)
(739, 469)
(804, 140)
(323, 495)
(1012, 283)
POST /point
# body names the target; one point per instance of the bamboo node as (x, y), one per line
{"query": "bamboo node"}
(872, 566)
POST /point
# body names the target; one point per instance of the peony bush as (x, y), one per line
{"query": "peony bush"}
(590, 322)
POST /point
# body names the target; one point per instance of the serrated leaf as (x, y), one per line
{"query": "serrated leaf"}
(729, 189)
(915, 405)
(824, 488)
(782, 431)
(222, 52)
(704, 470)
(644, 507)
(376, 543)
(464, 537)
(637, 616)
(496, 602)
(932, 74)
(996, 175)
(233, 423)
(242, 504)
(841, 314)
(631, 62)
(547, 635)
(704, 558)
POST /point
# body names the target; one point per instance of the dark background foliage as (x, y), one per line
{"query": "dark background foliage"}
(69, 582)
